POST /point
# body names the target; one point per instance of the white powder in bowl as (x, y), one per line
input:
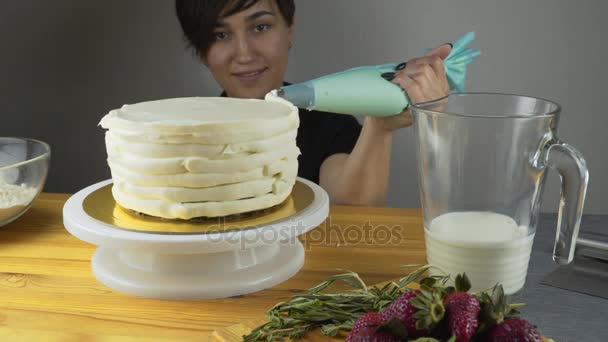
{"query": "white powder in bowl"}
(13, 198)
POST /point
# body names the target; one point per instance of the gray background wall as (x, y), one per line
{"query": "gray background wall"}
(66, 63)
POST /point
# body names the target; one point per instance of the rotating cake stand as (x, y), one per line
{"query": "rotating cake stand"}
(194, 265)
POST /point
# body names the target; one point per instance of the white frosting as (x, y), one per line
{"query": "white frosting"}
(227, 192)
(200, 180)
(190, 157)
(226, 164)
(156, 149)
(186, 211)
(215, 120)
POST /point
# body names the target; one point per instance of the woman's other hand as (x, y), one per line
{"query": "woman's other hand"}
(423, 79)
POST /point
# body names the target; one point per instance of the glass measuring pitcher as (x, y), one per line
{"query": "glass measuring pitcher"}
(482, 163)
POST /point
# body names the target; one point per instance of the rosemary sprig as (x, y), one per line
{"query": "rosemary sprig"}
(331, 312)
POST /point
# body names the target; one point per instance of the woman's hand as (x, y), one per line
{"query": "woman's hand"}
(423, 79)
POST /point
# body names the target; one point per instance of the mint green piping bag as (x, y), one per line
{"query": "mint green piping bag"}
(363, 91)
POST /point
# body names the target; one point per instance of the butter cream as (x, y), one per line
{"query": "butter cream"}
(202, 156)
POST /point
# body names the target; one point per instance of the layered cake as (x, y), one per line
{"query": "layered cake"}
(186, 158)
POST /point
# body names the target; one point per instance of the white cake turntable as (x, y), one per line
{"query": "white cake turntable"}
(196, 259)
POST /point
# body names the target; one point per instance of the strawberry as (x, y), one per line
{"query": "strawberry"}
(495, 309)
(513, 330)
(366, 329)
(403, 310)
(418, 310)
(462, 309)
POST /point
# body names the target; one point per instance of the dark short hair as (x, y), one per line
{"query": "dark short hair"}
(198, 18)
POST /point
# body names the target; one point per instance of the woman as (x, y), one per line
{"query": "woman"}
(245, 44)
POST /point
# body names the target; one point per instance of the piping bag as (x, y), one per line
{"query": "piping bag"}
(363, 91)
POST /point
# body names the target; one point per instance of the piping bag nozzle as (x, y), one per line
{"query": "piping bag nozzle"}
(301, 95)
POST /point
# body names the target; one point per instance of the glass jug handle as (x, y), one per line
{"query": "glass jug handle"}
(574, 176)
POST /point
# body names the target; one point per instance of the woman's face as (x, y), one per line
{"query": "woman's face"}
(248, 57)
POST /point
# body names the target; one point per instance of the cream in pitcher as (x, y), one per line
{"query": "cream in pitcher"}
(489, 247)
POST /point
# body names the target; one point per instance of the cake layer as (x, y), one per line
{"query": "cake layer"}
(214, 120)
(239, 162)
(187, 211)
(227, 192)
(202, 180)
(164, 149)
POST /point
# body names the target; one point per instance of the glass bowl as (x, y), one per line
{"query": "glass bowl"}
(24, 165)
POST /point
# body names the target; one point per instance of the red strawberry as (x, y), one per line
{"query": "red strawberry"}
(403, 310)
(462, 309)
(364, 330)
(419, 310)
(513, 330)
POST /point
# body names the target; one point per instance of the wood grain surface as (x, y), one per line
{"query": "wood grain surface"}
(48, 292)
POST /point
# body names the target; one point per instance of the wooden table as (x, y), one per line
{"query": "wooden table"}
(48, 292)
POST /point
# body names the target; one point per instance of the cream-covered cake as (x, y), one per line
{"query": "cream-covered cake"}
(202, 156)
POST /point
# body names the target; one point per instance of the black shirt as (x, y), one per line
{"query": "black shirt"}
(320, 135)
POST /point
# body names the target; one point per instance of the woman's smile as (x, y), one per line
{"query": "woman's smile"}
(250, 75)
